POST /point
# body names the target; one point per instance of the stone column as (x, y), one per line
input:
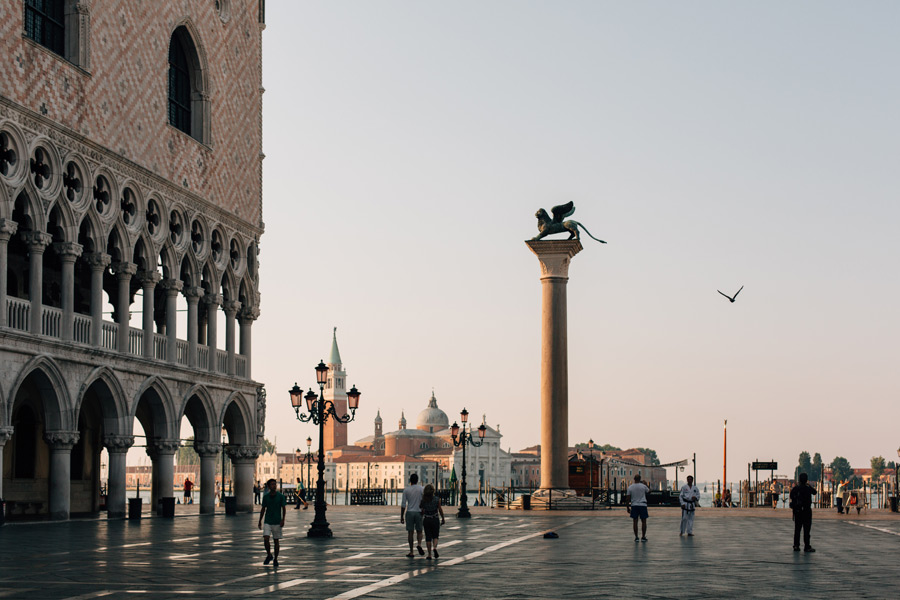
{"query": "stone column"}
(124, 271)
(193, 295)
(7, 230)
(148, 280)
(213, 301)
(5, 433)
(209, 453)
(37, 242)
(172, 287)
(243, 459)
(554, 257)
(231, 309)
(61, 444)
(117, 446)
(163, 456)
(68, 253)
(97, 263)
(248, 315)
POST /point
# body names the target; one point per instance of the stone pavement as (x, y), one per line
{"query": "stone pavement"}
(496, 554)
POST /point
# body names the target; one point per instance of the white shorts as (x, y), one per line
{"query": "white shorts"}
(273, 531)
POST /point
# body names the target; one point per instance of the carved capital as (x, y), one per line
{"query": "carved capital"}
(238, 453)
(162, 446)
(231, 307)
(5, 433)
(36, 240)
(248, 314)
(61, 440)
(118, 443)
(172, 286)
(149, 279)
(555, 256)
(205, 449)
(97, 261)
(68, 250)
(124, 270)
(8, 228)
(193, 293)
(210, 299)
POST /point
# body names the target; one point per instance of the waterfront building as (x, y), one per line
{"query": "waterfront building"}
(130, 192)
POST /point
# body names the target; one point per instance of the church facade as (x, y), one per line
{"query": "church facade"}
(130, 192)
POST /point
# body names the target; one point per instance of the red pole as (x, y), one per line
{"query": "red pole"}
(725, 455)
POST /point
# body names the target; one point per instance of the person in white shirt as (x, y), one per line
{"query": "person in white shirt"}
(411, 510)
(689, 498)
(636, 500)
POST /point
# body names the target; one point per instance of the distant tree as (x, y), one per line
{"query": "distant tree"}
(651, 455)
(891, 465)
(266, 446)
(597, 447)
(841, 469)
(878, 466)
(816, 473)
(186, 455)
(804, 466)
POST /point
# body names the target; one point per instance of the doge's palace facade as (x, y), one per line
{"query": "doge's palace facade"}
(130, 178)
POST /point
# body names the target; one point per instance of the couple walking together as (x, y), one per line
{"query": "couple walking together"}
(636, 501)
(420, 509)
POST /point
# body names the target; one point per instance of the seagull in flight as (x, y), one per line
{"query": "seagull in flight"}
(731, 298)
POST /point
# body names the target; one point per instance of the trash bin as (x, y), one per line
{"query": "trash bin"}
(526, 501)
(134, 508)
(894, 507)
(167, 506)
(230, 505)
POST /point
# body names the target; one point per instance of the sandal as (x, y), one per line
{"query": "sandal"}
(410, 555)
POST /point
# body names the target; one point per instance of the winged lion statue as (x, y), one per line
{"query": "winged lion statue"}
(549, 226)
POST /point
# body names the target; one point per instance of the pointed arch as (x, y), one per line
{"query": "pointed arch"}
(117, 244)
(144, 255)
(66, 223)
(90, 233)
(237, 419)
(229, 286)
(28, 211)
(51, 385)
(154, 407)
(188, 82)
(113, 400)
(189, 271)
(198, 406)
(168, 261)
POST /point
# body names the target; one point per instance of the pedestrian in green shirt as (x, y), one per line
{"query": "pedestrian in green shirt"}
(274, 509)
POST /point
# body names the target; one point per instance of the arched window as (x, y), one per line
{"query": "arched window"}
(188, 98)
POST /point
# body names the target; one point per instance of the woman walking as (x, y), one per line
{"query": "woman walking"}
(431, 509)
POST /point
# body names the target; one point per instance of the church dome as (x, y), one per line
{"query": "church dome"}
(432, 418)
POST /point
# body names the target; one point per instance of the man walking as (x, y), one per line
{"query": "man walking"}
(301, 491)
(274, 509)
(688, 498)
(636, 501)
(801, 504)
(411, 509)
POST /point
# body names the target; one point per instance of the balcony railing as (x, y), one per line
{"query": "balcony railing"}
(18, 314)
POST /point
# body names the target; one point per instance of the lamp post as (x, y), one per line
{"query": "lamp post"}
(591, 472)
(319, 411)
(462, 438)
(897, 476)
(308, 459)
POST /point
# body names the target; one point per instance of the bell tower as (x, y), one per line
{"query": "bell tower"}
(336, 392)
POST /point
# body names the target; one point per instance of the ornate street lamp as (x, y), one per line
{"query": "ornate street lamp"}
(897, 477)
(591, 472)
(320, 410)
(308, 459)
(462, 438)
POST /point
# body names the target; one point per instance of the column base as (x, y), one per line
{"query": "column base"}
(319, 530)
(558, 499)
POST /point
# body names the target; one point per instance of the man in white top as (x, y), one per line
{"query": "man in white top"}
(689, 498)
(636, 500)
(410, 508)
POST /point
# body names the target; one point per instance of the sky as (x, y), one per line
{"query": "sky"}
(712, 145)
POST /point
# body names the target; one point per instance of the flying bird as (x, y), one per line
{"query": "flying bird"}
(731, 298)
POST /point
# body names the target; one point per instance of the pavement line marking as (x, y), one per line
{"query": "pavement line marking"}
(343, 570)
(91, 595)
(279, 586)
(360, 555)
(360, 591)
(263, 574)
(881, 529)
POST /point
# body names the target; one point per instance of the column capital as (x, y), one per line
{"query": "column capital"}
(162, 446)
(249, 314)
(68, 250)
(36, 240)
(124, 270)
(231, 307)
(149, 278)
(216, 299)
(242, 453)
(118, 443)
(5, 433)
(205, 449)
(97, 261)
(172, 286)
(8, 228)
(61, 440)
(194, 292)
(555, 256)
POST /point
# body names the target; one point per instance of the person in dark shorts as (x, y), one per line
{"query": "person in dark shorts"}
(188, 487)
(636, 500)
(431, 510)
(274, 509)
(801, 504)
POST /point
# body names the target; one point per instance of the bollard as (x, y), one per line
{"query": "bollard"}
(134, 509)
(167, 507)
(526, 501)
(230, 505)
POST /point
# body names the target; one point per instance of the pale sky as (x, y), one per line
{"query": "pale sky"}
(712, 144)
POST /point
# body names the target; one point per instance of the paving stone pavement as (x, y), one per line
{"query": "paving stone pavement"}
(496, 554)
